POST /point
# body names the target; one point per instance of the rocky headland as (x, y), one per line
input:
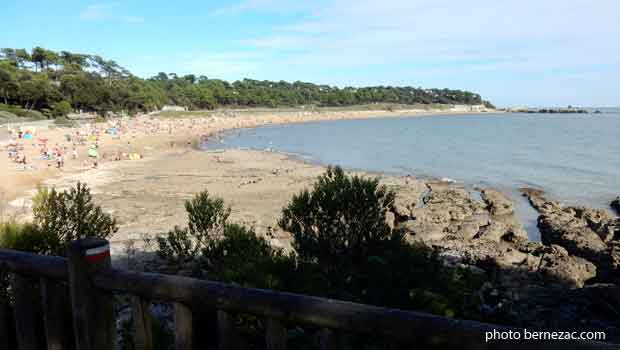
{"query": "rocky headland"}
(569, 280)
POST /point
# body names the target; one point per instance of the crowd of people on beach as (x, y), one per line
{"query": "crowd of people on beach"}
(94, 143)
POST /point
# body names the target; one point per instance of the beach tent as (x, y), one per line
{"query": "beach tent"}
(27, 136)
(112, 131)
(93, 153)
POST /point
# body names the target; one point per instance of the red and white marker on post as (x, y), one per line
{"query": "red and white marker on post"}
(97, 253)
(93, 310)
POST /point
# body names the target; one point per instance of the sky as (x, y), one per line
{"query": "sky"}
(512, 52)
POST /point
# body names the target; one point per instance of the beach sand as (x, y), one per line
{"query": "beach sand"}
(147, 195)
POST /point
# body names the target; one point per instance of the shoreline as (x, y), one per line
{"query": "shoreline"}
(17, 183)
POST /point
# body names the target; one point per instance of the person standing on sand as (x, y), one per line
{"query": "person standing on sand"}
(60, 161)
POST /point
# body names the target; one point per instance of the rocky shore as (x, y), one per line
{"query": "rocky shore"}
(615, 205)
(570, 280)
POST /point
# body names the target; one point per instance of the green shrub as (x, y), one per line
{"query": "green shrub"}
(347, 251)
(244, 258)
(340, 223)
(61, 109)
(70, 215)
(177, 246)
(207, 217)
(26, 237)
(344, 250)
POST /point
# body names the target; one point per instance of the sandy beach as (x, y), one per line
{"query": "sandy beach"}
(147, 195)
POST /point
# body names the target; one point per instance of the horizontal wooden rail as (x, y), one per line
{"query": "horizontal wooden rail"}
(281, 309)
(34, 265)
(407, 326)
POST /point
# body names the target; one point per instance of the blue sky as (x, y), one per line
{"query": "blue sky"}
(525, 52)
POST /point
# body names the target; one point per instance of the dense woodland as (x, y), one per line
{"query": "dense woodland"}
(56, 83)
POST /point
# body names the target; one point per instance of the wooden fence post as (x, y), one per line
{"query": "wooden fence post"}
(93, 310)
(142, 332)
(7, 326)
(56, 315)
(328, 339)
(27, 313)
(183, 327)
(276, 335)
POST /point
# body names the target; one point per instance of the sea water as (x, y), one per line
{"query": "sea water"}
(575, 158)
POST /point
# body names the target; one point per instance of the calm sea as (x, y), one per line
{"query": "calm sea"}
(575, 158)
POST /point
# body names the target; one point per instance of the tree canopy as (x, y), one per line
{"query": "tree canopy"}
(42, 78)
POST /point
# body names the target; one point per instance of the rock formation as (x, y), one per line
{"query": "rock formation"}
(615, 205)
(573, 271)
(592, 234)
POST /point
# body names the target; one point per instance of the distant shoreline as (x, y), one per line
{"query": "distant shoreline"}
(185, 127)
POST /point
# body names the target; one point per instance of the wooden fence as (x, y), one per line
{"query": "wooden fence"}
(68, 303)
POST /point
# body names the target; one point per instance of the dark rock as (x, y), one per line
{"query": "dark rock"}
(555, 307)
(557, 265)
(592, 234)
(564, 229)
(615, 205)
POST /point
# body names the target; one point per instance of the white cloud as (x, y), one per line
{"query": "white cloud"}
(274, 6)
(433, 41)
(348, 32)
(107, 12)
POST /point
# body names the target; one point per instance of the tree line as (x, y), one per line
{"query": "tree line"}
(57, 82)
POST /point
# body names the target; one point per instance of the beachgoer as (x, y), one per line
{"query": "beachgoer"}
(60, 161)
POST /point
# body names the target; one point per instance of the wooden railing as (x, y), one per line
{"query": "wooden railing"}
(67, 303)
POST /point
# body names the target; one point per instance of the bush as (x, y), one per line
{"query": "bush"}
(347, 251)
(70, 215)
(244, 258)
(26, 237)
(177, 247)
(340, 223)
(61, 109)
(207, 217)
